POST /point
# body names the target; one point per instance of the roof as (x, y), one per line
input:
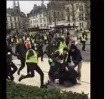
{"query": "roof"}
(37, 10)
(12, 12)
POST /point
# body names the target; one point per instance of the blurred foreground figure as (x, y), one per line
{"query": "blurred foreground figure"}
(11, 67)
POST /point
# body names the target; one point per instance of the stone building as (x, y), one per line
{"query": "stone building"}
(55, 12)
(38, 17)
(73, 12)
(76, 13)
(15, 18)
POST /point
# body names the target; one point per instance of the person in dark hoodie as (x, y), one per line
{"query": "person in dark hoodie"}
(21, 51)
(10, 64)
(75, 57)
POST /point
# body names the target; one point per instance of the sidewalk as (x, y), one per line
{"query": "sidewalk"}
(87, 42)
(84, 87)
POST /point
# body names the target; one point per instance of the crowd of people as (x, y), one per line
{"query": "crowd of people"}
(62, 52)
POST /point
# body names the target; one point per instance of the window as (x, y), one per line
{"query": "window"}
(77, 6)
(81, 16)
(82, 24)
(15, 18)
(7, 25)
(81, 8)
(30, 22)
(40, 15)
(15, 25)
(10, 19)
(62, 14)
(44, 20)
(44, 24)
(40, 20)
(68, 9)
(54, 14)
(12, 25)
(58, 14)
(68, 18)
(18, 18)
(41, 25)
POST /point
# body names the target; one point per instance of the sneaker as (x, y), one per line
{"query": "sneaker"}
(21, 78)
(18, 73)
(78, 82)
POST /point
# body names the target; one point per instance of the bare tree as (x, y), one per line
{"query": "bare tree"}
(73, 10)
(87, 12)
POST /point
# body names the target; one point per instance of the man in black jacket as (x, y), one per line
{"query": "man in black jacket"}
(21, 51)
(76, 56)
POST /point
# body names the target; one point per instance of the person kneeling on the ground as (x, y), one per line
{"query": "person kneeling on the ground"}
(31, 62)
(75, 57)
(67, 75)
(54, 63)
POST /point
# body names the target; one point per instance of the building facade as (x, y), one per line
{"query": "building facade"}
(73, 12)
(38, 17)
(15, 18)
(38, 20)
(55, 12)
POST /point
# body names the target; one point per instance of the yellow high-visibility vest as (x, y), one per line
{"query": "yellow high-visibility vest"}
(32, 59)
(50, 60)
(83, 38)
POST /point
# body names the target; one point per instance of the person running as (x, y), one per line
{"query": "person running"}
(32, 65)
(21, 50)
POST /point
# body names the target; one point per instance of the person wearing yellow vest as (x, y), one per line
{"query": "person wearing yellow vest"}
(45, 38)
(31, 34)
(62, 45)
(83, 39)
(32, 65)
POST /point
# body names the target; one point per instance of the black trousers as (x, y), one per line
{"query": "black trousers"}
(70, 76)
(34, 67)
(41, 56)
(22, 65)
(10, 72)
(84, 44)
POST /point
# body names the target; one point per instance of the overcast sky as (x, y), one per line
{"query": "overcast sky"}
(26, 6)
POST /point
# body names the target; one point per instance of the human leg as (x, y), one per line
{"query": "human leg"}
(22, 66)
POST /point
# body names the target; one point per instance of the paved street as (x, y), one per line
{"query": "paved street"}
(84, 87)
(35, 81)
